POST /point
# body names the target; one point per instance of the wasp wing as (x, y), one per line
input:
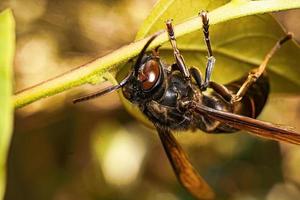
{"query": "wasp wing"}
(254, 126)
(182, 167)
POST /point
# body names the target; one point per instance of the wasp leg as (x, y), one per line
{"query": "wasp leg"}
(218, 88)
(221, 90)
(205, 22)
(178, 57)
(257, 72)
(210, 59)
(196, 74)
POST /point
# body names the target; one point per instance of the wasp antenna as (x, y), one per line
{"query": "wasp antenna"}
(142, 53)
(103, 92)
(97, 94)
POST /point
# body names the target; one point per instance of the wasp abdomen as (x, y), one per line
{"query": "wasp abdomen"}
(251, 104)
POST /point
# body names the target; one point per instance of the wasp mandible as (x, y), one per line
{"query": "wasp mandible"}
(172, 97)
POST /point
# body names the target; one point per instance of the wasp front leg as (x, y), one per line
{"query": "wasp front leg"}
(178, 57)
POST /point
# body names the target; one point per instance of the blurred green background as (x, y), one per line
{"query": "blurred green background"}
(96, 150)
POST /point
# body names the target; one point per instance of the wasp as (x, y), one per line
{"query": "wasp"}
(173, 98)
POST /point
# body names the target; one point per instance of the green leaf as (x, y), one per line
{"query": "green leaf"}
(93, 72)
(7, 46)
(238, 45)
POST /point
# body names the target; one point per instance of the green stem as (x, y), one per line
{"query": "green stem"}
(93, 71)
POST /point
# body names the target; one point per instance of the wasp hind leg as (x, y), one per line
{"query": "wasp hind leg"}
(257, 72)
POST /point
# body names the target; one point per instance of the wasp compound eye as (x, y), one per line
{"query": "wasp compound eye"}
(149, 74)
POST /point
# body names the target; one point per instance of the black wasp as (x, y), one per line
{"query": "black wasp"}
(172, 98)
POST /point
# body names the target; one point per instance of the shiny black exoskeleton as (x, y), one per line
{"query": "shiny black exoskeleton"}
(164, 102)
(168, 94)
(167, 97)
